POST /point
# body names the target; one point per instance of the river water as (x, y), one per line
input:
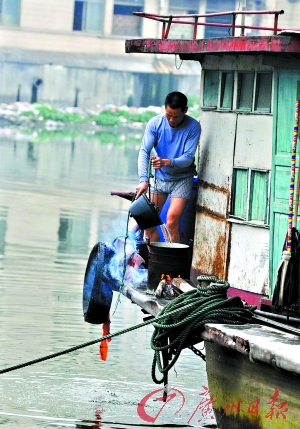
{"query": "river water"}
(55, 204)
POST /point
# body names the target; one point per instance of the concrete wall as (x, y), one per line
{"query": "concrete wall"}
(61, 83)
(76, 42)
(54, 15)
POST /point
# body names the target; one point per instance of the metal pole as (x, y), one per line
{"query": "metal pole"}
(243, 17)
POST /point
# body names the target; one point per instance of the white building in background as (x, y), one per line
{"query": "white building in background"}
(72, 52)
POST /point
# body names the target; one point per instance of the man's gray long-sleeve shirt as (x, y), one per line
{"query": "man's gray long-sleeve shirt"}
(177, 144)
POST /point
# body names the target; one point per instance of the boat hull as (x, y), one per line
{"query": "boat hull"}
(250, 395)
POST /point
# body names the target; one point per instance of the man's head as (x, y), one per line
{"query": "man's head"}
(176, 100)
(176, 108)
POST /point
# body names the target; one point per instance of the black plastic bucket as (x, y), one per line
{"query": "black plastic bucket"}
(167, 258)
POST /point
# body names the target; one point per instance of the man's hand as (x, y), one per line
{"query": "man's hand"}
(158, 162)
(141, 189)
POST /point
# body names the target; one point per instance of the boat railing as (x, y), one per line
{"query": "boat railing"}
(193, 19)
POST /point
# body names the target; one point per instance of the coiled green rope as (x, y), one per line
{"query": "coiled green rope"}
(179, 329)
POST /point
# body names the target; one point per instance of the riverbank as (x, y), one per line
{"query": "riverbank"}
(28, 116)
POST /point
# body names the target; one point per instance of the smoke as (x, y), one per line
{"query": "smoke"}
(126, 263)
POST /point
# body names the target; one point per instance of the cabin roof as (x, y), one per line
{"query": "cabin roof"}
(281, 44)
(282, 41)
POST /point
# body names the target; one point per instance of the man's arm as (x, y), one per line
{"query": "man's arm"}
(190, 147)
(148, 142)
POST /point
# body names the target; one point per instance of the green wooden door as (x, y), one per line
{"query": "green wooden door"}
(286, 92)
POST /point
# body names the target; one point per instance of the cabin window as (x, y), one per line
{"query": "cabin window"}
(9, 12)
(239, 192)
(239, 91)
(263, 92)
(250, 195)
(124, 22)
(259, 196)
(245, 91)
(88, 15)
(227, 80)
(211, 88)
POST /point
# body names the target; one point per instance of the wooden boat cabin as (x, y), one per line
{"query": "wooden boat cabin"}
(248, 89)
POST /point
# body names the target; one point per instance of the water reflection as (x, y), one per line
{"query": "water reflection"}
(73, 232)
(30, 152)
(3, 228)
(55, 204)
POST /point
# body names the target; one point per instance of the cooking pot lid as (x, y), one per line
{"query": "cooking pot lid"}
(168, 245)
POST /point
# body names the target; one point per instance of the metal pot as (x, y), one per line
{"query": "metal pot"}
(145, 213)
(167, 258)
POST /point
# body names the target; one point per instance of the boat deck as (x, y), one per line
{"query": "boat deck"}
(259, 342)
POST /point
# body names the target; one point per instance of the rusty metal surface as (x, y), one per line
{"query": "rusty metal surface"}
(209, 192)
(215, 169)
(210, 245)
(259, 44)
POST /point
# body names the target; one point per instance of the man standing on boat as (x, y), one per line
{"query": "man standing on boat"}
(174, 137)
